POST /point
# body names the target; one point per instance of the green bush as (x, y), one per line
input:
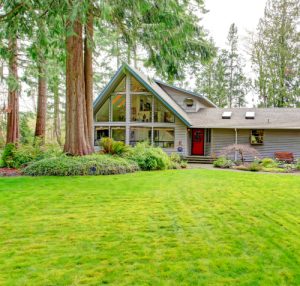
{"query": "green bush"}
(150, 158)
(109, 146)
(223, 162)
(8, 155)
(79, 166)
(254, 167)
(269, 163)
(24, 154)
(177, 162)
(175, 157)
(298, 164)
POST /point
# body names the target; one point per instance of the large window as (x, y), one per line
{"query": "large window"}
(118, 103)
(164, 137)
(140, 134)
(103, 113)
(257, 137)
(161, 113)
(118, 133)
(135, 86)
(141, 108)
(121, 86)
(100, 132)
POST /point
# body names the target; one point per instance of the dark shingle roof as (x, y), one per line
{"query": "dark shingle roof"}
(265, 118)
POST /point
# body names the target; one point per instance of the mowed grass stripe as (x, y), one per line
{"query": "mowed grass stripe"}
(189, 227)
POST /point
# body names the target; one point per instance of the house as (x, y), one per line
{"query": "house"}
(134, 108)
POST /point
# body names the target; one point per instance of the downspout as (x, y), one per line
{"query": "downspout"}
(236, 140)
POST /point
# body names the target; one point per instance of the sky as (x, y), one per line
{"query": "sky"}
(222, 13)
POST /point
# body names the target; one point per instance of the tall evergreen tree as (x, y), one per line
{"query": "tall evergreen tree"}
(223, 80)
(276, 54)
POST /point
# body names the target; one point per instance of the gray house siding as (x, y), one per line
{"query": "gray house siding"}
(274, 141)
(179, 97)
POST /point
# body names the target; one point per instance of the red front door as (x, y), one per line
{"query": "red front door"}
(198, 142)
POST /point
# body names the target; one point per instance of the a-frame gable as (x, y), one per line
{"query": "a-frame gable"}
(150, 85)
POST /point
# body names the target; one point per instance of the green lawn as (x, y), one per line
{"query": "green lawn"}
(188, 227)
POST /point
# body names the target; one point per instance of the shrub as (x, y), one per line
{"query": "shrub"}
(175, 157)
(150, 158)
(24, 154)
(254, 167)
(8, 155)
(223, 162)
(269, 163)
(177, 161)
(242, 149)
(79, 166)
(109, 146)
(298, 165)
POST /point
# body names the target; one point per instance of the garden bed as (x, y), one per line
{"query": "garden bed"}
(9, 172)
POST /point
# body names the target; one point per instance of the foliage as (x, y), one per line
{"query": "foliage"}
(16, 157)
(8, 155)
(79, 166)
(149, 157)
(177, 161)
(298, 164)
(25, 131)
(275, 54)
(254, 167)
(223, 80)
(241, 149)
(223, 162)
(109, 146)
(269, 163)
(175, 157)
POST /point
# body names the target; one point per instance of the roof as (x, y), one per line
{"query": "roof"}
(151, 85)
(265, 118)
(203, 98)
(211, 117)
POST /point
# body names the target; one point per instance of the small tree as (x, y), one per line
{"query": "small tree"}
(242, 149)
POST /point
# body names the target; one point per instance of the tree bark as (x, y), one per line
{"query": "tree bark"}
(13, 131)
(77, 139)
(40, 127)
(88, 76)
(56, 123)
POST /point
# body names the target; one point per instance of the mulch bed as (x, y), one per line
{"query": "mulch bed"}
(9, 172)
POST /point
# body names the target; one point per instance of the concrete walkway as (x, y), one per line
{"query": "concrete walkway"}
(211, 167)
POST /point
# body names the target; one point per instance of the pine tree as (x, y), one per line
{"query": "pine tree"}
(238, 84)
(276, 54)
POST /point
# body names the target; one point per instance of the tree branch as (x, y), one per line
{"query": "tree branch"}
(13, 11)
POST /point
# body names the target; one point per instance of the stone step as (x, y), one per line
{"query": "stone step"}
(199, 159)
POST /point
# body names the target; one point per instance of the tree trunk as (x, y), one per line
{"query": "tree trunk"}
(88, 76)
(40, 127)
(13, 131)
(77, 139)
(56, 123)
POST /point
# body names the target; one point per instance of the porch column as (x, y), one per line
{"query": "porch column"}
(128, 110)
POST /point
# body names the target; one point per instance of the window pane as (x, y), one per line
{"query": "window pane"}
(135, 86)
(122, 85)
(100, 132)
(164, 137)
(257, 137)
(162, 114)
(141, 108)
(103, 113)
(118, 133)
(140, 134)
(118, 107)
